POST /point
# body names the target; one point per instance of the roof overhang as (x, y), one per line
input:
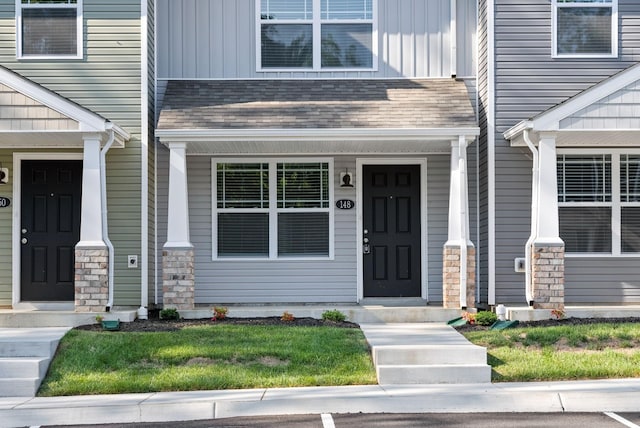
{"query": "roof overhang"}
(314, 141)
(85, 121)
(593, 131)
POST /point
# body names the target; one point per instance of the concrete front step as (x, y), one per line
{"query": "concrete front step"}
(23, 367)
(44, 319)
(19, 387)
(429, 354)
(424, 353)
(433, 373)
(25, 355)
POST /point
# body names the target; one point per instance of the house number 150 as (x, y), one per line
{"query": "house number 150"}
(345, 204)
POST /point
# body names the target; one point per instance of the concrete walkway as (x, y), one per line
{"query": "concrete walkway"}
(621, 395)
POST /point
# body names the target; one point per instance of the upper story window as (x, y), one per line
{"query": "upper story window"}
(585, 28)
(49, 28)
(316, 34)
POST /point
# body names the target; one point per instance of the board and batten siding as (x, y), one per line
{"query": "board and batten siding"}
(529, 81)
(106, 81)
(291, 281)
(202, 39)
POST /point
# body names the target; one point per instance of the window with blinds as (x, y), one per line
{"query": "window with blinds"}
(585, 27)
(49, 28)
(316, 34)
(272, 209)
(592, 209)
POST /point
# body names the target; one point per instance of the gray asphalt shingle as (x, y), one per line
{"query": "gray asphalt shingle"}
(309, 104)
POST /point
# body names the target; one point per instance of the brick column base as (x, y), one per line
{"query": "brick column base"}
(451, 277)
(547, 276)
(91, 279)
(178, 279)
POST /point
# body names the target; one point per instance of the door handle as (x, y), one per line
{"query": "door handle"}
(24, 240)
(366, 247)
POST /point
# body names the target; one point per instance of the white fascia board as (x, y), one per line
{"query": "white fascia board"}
(89, 122)
(517, 130)
(550, 119)
(182, 135)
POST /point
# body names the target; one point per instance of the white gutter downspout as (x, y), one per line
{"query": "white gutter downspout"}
(105, 228)
(534, 217)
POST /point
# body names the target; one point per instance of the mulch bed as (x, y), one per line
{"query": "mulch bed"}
(154, 324)
(555, 322)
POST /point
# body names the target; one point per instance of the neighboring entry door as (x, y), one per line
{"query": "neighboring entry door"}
(391, 223)
(50, 228)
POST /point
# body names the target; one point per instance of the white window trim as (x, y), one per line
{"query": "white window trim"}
(316, 23)
(614, 29)
(615, 204)
(273, 209)
(79, 27)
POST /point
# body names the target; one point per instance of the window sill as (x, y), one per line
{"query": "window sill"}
(49, 57)
(279, 259)
(585, 56)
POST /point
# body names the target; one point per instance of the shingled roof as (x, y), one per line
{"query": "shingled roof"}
(315, 104)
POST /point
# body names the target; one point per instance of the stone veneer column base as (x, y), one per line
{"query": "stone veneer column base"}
(178, 278)
(547, 276)
(91, 279)
(451, 277)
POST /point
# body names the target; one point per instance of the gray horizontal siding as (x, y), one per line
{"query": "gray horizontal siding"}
(216, 39)
(282, 281)
(602, 280)
(528, 82)
(106, 81)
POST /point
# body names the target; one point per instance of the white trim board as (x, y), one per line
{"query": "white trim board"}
(424, 244)
(16, 213)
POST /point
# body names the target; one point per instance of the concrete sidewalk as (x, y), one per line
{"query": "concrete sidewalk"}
(619, 395)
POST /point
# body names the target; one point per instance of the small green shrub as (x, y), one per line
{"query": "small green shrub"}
(334, 315)
(169, 314)
(486, 318)
(219, 312)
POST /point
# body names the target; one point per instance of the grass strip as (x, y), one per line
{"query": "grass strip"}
(592, 351)
(208, 357)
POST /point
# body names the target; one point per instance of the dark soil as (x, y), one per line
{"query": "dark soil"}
(555, 322)
(154, 324)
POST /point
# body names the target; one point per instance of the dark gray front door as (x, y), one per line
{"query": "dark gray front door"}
(391, 223)
(50, 228)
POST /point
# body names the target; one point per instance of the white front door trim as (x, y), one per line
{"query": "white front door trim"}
(16, 222)
(424, 262)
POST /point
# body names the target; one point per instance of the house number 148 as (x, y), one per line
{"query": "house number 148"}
(345, 204)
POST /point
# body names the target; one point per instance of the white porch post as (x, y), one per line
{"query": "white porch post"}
(91, 216)
(459, 254)
(547, 264)
(91, 253)
(178, 280)
(178, 216)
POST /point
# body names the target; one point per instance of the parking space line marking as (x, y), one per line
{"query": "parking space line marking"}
(622, 420)
(327, 421)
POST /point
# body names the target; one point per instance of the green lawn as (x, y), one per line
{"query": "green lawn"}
(591, 351)
(219, 356)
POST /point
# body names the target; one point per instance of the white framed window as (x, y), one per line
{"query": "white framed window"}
(49, 29)
(585, 28)
(599, 202)
(316, 35)
(272, 209)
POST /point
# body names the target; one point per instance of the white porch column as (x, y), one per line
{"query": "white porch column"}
(178, 216)
(178, 279)
(547, 210)
(459, 254)
(91, 280)
(547, 262)
(91, 214)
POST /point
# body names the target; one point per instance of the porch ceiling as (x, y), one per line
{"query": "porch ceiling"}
(316, 116)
